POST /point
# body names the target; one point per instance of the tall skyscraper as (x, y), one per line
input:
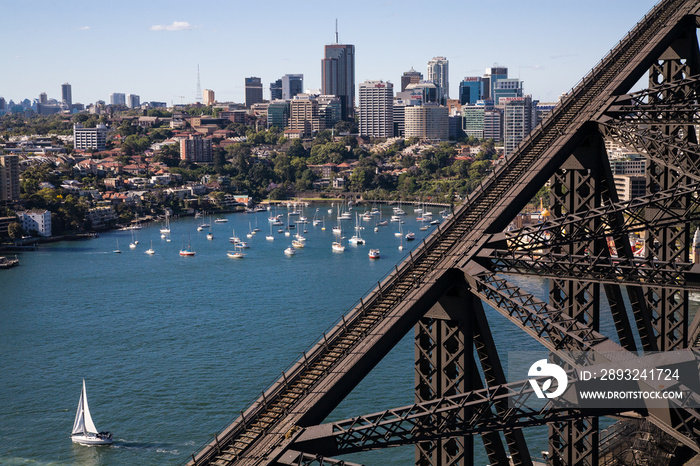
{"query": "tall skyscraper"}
(517, 121)
(66, 94)
(43, 98)
(117, 98)
(439, 74)
(490, 78)
(506, 88)
(253, 91)
(209, 97)
(376, 109)
(133, 101)
(292, 84)
(338, 75)
(276, 90)
(410, 77)
(471, 89)
(9, 177)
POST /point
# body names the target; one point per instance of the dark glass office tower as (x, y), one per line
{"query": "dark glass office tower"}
(338, 76)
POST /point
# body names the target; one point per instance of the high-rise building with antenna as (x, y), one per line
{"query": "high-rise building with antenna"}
(338, 74)
(198, 97)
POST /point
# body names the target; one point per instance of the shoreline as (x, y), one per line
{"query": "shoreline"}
(32, 244)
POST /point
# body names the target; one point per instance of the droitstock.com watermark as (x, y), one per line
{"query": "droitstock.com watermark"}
(616, 380)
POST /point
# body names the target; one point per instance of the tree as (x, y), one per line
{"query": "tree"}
(345, 126)
(15, 231)
(360, 179)
(127, 129)
(134, 144)
(297, 149)
(478, 170)
(240, 156)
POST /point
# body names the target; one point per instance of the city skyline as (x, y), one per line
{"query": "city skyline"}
(155, 53)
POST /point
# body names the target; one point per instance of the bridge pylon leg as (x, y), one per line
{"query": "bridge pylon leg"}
(576, 188)
(670, 307)
(445, 340)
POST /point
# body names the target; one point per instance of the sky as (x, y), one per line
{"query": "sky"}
(153, 48)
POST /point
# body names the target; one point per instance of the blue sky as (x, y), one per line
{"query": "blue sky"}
(152, 47)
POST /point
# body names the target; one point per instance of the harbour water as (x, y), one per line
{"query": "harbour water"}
(172, 347)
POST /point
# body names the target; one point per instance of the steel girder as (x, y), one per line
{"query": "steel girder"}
(663, 149)
(660, 209)
(557, 331)
(672, 102)
(297, 458)
(440, 418)
(600, 269)
(441, 370)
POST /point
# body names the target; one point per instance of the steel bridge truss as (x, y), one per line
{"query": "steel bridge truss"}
(475, 257)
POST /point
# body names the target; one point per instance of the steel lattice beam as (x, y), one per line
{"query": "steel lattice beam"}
(659, 209)
(557, 331)
(440, 418)
(589, 268)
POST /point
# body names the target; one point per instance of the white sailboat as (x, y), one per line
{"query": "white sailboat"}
(237, 254)
(150, 251)
(357, 237)
(337, 246)
(166, 229)
(84, 430)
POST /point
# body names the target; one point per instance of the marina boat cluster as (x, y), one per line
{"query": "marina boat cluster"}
(294, 224)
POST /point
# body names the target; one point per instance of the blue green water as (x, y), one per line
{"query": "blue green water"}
(172, 347)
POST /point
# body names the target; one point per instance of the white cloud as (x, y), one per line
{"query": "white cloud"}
(83, 28)
(176, 26)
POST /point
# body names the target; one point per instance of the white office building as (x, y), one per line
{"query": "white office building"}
(429, 121)
(36, 222)
(376, 109)
(90, 138)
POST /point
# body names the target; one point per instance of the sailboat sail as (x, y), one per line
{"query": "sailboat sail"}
(83, 421)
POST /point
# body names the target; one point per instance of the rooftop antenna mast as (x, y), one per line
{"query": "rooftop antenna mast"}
(198, 97)
(336, 31)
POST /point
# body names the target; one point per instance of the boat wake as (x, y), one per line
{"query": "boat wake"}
(165, 448)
